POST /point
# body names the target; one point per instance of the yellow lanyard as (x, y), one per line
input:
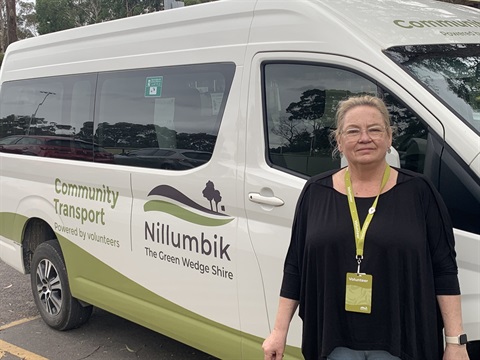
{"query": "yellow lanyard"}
(360, 232)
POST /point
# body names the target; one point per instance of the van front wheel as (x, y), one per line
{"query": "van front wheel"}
(51, 289)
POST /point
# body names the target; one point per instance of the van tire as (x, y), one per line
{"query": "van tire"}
(51, 290)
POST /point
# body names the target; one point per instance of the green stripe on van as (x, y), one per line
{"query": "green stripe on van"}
(118, 294)
(184, 214)
(113, 291)
(12, 225)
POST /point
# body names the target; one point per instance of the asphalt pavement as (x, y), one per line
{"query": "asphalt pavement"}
(23, 334)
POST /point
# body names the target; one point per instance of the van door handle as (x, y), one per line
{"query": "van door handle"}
(266, 200)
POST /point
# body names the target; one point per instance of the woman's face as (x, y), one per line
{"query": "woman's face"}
(364, 139)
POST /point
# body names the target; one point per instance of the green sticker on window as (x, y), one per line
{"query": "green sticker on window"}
(153, 86)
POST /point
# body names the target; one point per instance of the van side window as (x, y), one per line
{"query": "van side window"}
(460, 192)
(35, 111)
(410, 135)
(300, 104)
(164, 118)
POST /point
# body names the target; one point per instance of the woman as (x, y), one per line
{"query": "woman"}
(369, 270)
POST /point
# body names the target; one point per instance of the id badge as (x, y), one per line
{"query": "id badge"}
(358, 294)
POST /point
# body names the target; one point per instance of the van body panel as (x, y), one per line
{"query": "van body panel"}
(475, 164)
(467, 246)
(430, 23)
(269, 243)
(115, 45)
(136, 303)
(197, 252)
(207, 265)
(411, 23)
(60, 196)
(262, 178)
(12, 253)
(371, 54)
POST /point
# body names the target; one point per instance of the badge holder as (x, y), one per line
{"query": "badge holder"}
(358, 292)
(358, 288)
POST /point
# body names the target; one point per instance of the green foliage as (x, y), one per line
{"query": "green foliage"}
(115, 9)
(195, 2)
(26, 19)
(54, 15)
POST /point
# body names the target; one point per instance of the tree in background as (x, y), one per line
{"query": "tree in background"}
(11, 17)
(195, 2)
(26, 19)
(55, 15)
(23, 18)
(116, 9)
(46, 16)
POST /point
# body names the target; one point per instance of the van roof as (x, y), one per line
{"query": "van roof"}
(203, 32)
(408, 22)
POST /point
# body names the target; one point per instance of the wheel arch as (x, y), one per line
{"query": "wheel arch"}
(36, 232)
(38, 215)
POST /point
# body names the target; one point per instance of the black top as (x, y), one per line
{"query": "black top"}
(409, 251)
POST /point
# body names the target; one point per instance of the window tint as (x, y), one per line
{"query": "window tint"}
(175, 109)
(45, 108)
(9, 140)
(410, 135)
(196, 155)
(460, 192)
(450, 71)
(29, 141)
(83, 145)
(143, 152)
(300, 105)
(60, 143)
(301, 101)
(163, 152)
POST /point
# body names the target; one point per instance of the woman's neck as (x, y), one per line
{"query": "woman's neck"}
(367, 173)
(366, 180)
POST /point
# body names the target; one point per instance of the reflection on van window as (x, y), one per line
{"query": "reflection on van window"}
(451, 72)
(301, 101)
(165, 118)
(56, 147)
(50, 117)
(410, 135)
(171, 159)
(60, 106)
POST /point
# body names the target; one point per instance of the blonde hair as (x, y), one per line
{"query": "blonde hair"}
(362, 100)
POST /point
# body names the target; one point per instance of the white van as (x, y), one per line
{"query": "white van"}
(201, 126)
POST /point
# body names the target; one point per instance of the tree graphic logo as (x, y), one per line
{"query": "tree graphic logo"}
(166, 199)
(212, 195)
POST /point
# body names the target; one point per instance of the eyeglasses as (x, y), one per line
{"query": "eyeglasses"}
(373, 132)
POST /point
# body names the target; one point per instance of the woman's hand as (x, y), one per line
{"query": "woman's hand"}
(455, 352)
(274, 345)
(451, 309)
